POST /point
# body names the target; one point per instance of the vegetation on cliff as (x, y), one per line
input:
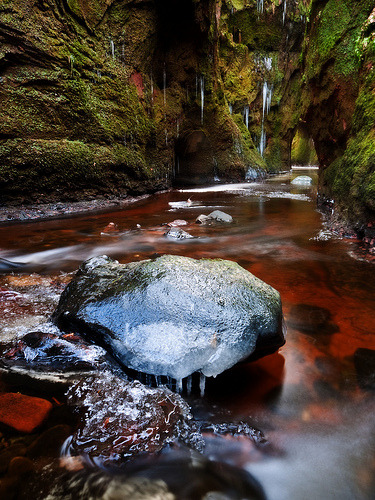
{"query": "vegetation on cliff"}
(117, 97)
(339, 105)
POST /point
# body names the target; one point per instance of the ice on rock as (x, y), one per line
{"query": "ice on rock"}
(123, 418)
(174, 316)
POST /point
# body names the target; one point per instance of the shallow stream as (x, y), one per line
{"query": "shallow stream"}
(313, 401)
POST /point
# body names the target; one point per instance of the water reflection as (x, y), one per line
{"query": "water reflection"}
(314, 399)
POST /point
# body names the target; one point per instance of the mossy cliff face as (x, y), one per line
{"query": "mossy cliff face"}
(116, 96)
(119, 96)
(72, 117)
(338, 103)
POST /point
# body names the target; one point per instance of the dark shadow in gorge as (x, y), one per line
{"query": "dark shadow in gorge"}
(194, 159)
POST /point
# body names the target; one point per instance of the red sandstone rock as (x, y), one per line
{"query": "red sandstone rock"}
(23, 413)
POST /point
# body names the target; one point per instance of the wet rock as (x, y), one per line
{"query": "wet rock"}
(177, 223)
(173, 315)
(202, 219)
(49, 356)
(302, 180)
(49, 443)
(215, 216)
(123, 418)
(179, 475)
(7, 455)
(178, 234)
(20, 466)
(364, 362)
(9, 266)
(23, 413)
(110, 229)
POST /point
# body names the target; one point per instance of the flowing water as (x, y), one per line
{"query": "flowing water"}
(312, 401)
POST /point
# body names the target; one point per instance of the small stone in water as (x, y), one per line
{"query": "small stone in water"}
(110, 228)
(23, 413)
(178, 234)
(177, 222)
(49, 443)
(216, 215)
(302, 180)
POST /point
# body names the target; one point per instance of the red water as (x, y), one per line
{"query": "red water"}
(307, 399)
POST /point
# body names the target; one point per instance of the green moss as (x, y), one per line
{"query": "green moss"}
(351, 179)
(336, 36)
(244, 145)
(303, 151)
(44, 166)
(255, 32)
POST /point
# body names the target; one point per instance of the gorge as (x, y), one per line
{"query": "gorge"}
(187, 238)
(126, 97)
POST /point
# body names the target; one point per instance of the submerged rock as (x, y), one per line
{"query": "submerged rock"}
(174, 315)
(23, 413)
(364, 362)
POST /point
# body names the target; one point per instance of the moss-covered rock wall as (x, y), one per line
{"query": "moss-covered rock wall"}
(338, 104)
(106, 96)
(131, 96)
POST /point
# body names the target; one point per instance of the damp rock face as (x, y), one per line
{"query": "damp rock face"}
(173, 315)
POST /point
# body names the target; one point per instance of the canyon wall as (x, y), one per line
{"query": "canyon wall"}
(116, 97)
(129, 96)
(338, 104)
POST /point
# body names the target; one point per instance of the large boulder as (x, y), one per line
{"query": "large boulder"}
(173, 315)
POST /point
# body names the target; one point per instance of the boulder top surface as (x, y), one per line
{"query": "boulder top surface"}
(173, 315)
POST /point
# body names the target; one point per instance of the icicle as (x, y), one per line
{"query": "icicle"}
(267, 61)
(202, 97)
(216, 176)
(166, 137)
(189, 384)
(165, 86)
(284, 12)
(111, 43)
(179, 385)
(262, 144)
(178, 128)
(71, 63)
(152, 89)
(202, 384)
(196, 86)
(260, 6)
(246, 116)
(230, 108)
